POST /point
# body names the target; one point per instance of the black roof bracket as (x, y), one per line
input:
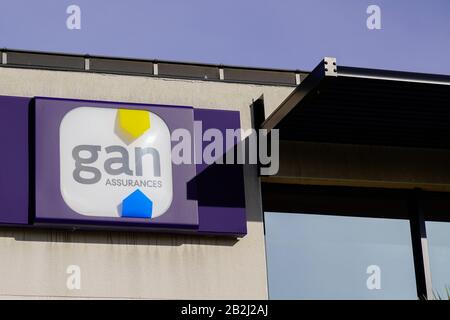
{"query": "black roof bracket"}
(338, 104)
(326, 68)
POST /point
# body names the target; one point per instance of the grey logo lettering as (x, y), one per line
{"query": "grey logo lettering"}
(113, 165)
(140, 152)
(124, 161)
(80, 164)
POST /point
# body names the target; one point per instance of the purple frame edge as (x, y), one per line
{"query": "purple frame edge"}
(14, 184)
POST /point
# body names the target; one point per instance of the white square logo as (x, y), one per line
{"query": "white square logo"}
(115, 163)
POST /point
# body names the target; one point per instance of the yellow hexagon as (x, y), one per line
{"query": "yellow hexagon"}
(133, 123)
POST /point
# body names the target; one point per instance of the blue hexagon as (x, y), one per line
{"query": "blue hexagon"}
(137, 205)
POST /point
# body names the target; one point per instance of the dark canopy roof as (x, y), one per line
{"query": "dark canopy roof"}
(364, 106)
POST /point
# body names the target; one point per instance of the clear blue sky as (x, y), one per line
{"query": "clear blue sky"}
(296, 34)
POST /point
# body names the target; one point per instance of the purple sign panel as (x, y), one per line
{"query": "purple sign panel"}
(111, 165)
(108, 163)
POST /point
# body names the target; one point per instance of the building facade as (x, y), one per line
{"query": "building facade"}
(339, 220)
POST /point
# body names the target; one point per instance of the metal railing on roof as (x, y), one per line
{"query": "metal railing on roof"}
(149, 68)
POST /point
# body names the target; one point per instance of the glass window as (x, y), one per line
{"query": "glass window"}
(313, 256)
(438, 234)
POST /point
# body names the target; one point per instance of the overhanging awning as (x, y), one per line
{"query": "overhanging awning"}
(364, 106)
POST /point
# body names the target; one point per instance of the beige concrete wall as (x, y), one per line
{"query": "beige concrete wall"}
(33, 263)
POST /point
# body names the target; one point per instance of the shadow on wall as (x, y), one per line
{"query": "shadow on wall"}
(151, 238)
(229, 185)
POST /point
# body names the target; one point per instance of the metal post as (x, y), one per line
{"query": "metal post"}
(420, 247)
(87, 63)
